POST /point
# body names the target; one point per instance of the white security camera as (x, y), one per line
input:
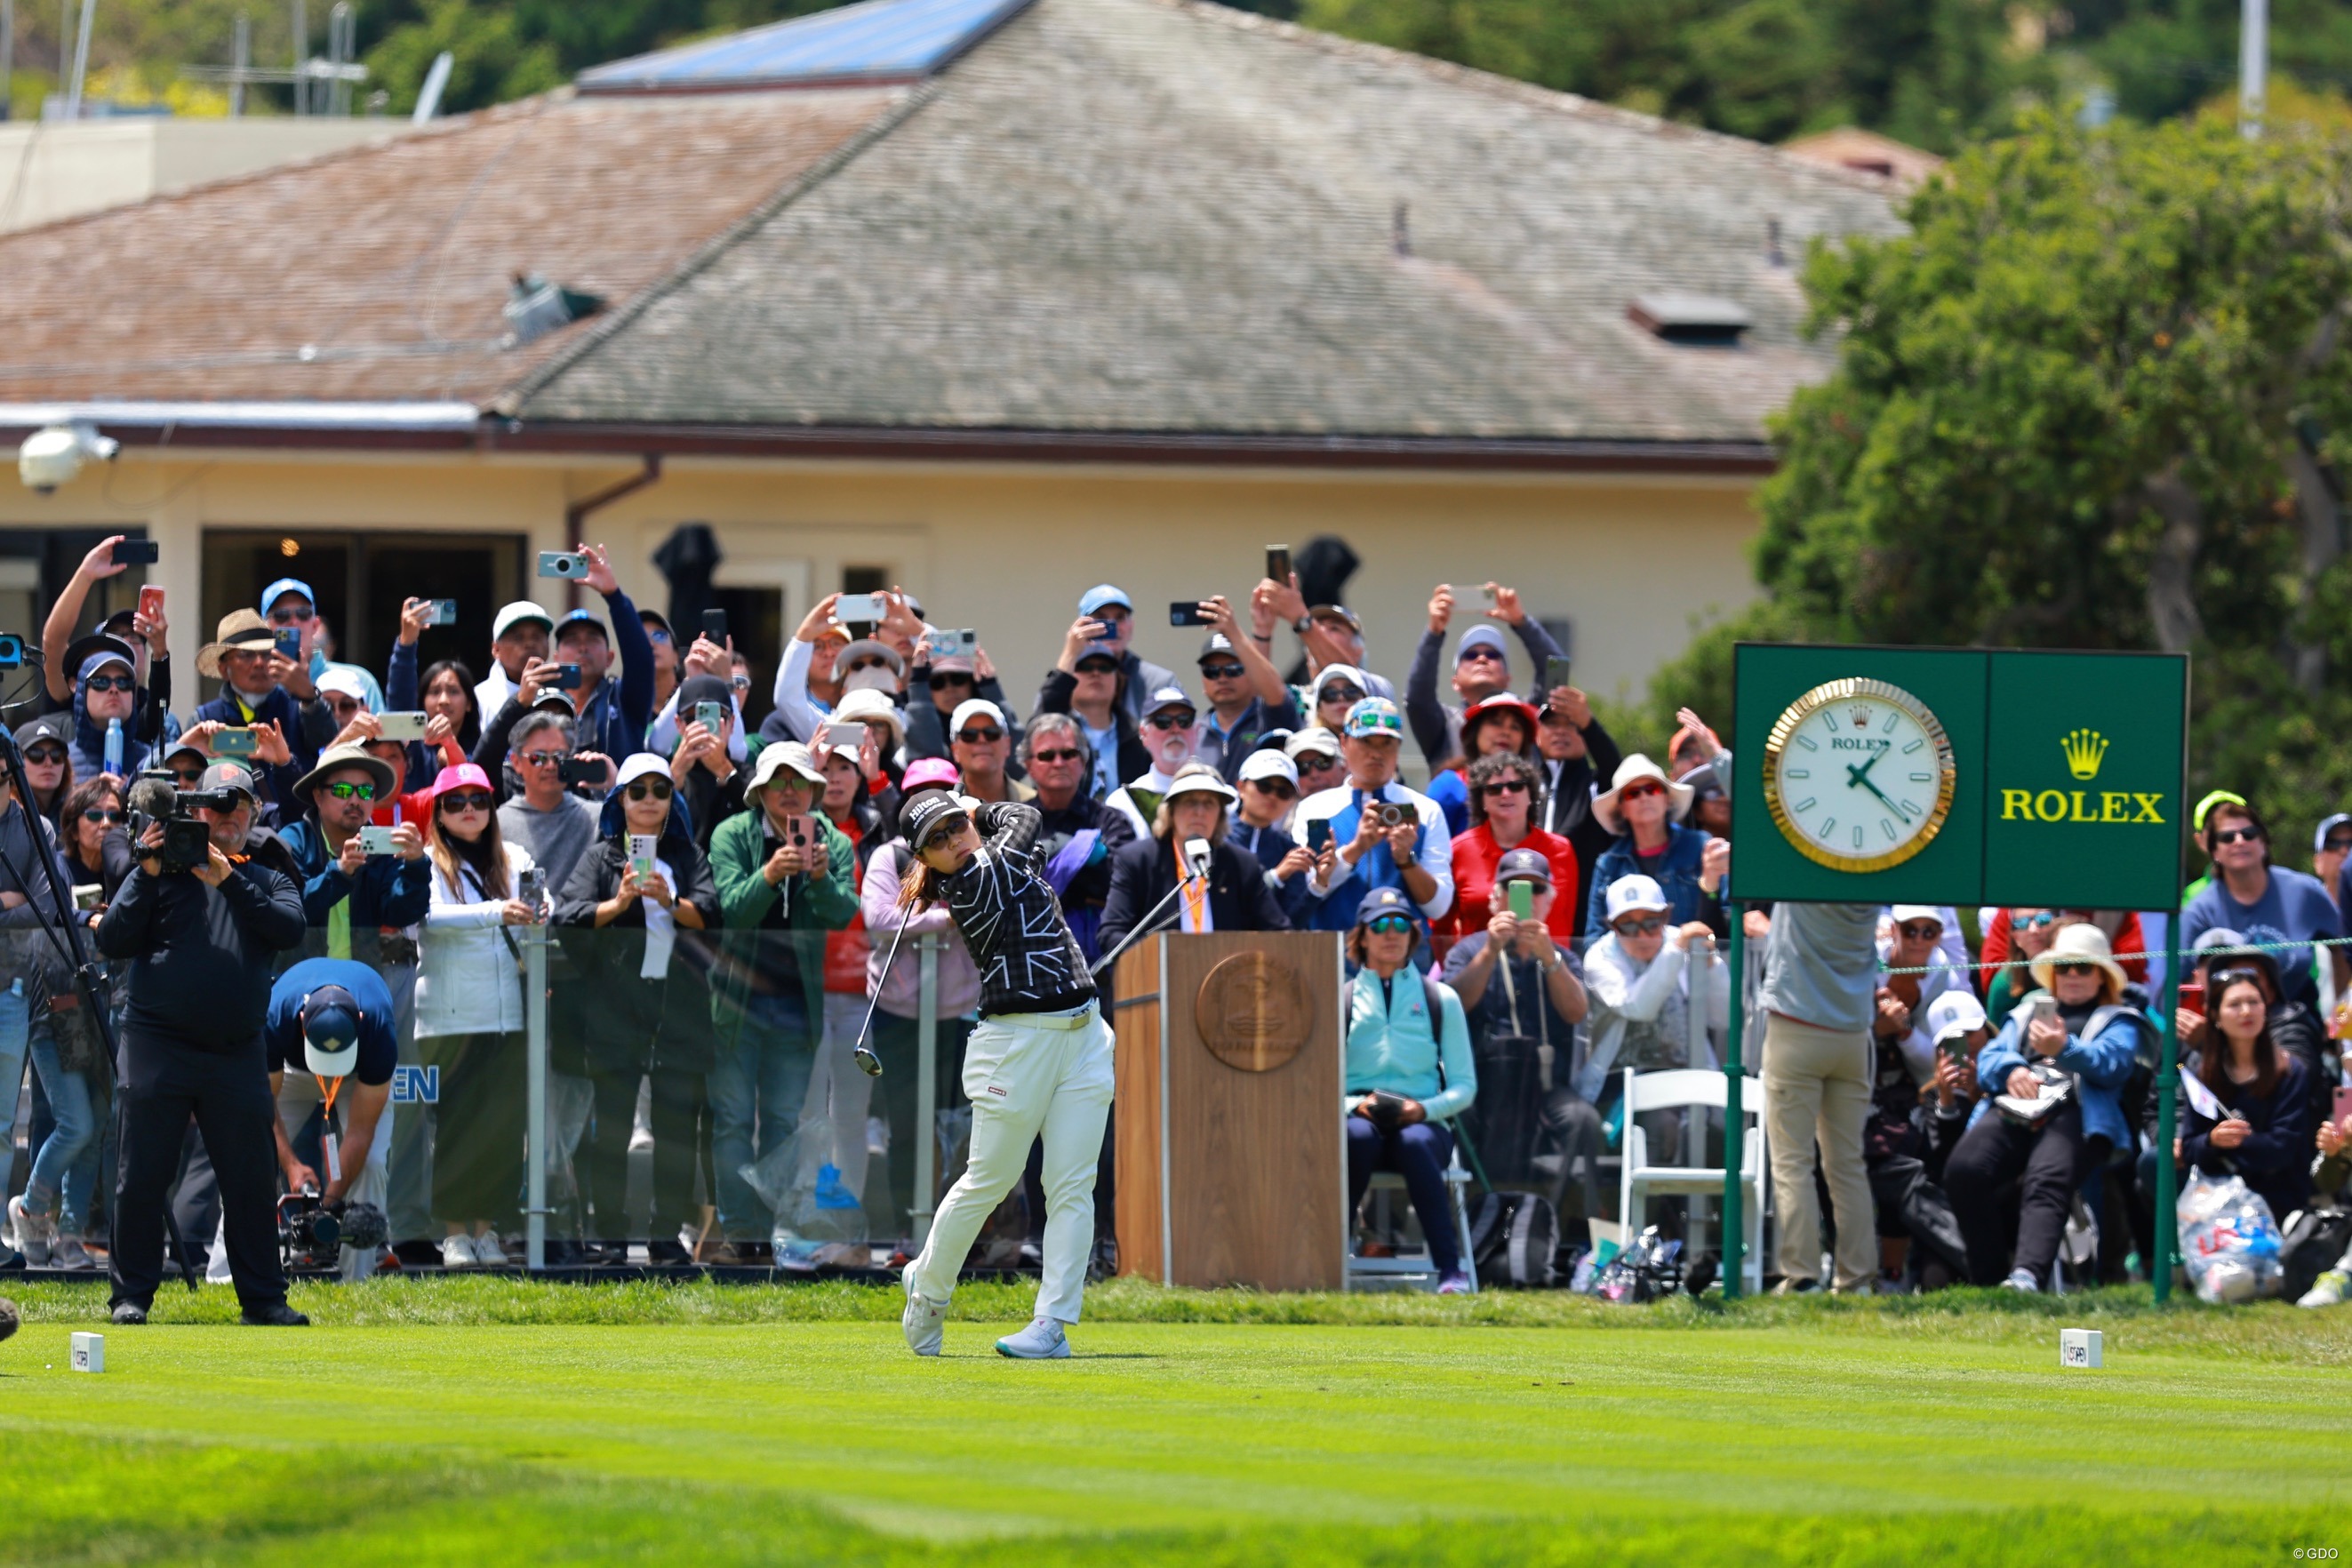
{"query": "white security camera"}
(54, 455)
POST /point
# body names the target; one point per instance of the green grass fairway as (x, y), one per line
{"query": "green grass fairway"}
(433, 1422)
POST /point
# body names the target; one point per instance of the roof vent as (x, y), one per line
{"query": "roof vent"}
(1701, 320)
(535, 306)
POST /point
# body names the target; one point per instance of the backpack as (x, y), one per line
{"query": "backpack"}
(2316, 1239)
(1513, 1237)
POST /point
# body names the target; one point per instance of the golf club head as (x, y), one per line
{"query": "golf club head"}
(867, 1062)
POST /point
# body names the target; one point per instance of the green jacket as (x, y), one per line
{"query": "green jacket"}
(753, 911)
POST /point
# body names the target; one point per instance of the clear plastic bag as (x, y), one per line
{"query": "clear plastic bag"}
(2229, 1239)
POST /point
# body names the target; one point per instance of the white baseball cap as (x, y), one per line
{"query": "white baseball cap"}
(1903, 914)
(1315, 737)
(975, 708)
(1266, 763)
(1627, 894)
(345, 681)
(520, 610)
(1954, 1013)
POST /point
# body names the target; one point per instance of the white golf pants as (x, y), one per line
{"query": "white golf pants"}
(1028, 1075)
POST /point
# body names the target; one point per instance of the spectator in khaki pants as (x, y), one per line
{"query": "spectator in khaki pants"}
(1820, 998)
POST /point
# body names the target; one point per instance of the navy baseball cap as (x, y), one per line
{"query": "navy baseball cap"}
(1385, 901)
(330, 1032)
(588, 618)
(1523, 866)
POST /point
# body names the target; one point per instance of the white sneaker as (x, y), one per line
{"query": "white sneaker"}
(69, 1254)
(2328, 1290)
(925, 1321)
(490, 1251)
(32, 1234)
(458, 1252)
(1041, 1341)
(2022, 1282)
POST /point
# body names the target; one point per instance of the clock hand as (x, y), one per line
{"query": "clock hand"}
(1881, 793)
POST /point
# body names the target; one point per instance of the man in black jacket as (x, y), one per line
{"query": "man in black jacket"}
(201, 945)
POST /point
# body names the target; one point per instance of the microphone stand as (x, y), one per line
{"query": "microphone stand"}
(1146, 926)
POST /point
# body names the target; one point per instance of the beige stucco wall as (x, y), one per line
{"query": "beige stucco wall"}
(51, 170)
(1632, 561)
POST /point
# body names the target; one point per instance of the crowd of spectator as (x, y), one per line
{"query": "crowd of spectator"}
(1949, 1096)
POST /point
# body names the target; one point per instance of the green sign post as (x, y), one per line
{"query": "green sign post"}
(1961, 777)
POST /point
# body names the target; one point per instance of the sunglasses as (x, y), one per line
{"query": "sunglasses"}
(979, 737)
(189, 775)
(1640, 792)
(1480, 650)
(1338, 694)
(1170, 721)
(1061, 756)
(655, 634)
(2230, 977)
(945, 831)
(1639, 925)
(1221, 672)
(100, 814)
(1387, 924)
(544, 759)
(1314, 762)
(1551, 720)
(112, 683)
(45, 757)
(951, 677)
(2220, 835)
(650, 789)
(1096, 666)
(2338, 845)
(347, 789)
(2031, 923)
(1506, 787)
(1921, 930)
(470, 801)
(1277, 789)
(857, 664)
(288, 617)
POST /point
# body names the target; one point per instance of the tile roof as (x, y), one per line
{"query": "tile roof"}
(379, 273)
(1170, 216)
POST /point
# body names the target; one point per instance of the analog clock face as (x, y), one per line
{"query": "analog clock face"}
(1858, 774)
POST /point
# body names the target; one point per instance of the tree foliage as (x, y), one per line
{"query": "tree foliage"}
(2095, 398)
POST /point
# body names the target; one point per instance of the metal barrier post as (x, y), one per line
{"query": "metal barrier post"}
(926, 1093)
(534, 1011)
(2167, 1189)
(1697, 974)
(1735, 1227)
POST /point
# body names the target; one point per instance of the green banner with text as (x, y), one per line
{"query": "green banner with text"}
(1958, 776)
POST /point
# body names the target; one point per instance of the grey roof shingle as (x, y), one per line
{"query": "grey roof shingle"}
(1169, 217)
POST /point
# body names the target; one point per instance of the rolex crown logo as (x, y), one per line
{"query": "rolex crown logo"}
(1861, 716)
(2085, 750)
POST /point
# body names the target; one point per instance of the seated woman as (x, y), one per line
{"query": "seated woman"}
(1407, 1072)
(2267, 1133)
(646, 1013)
(1646, 812)
(1505, 799)
(1143, 874)
(2295, 1029)
(2070, 1045)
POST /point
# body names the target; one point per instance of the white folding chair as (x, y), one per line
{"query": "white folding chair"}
(1639, 1179)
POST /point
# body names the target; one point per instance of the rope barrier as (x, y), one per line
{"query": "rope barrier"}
(2194, 955)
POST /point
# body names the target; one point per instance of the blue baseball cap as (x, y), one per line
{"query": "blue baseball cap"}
(1102, 594)
(330, 1032)
(1385, 901)
(283, 586)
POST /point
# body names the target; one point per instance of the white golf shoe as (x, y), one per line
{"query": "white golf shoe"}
(926, 1323)
(1041, 1341)
(2328, 1290)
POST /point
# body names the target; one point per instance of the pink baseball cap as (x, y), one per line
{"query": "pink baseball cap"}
(458, 778)
(931, 771)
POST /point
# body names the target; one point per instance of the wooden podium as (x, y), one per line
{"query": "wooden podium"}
(1231, 1166)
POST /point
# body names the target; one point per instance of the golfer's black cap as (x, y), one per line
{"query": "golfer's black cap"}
(926, 814)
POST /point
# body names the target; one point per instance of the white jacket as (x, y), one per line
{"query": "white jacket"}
(1641, 1014)
(466, 978)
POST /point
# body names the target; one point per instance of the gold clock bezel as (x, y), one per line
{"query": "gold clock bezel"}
(1851, 688)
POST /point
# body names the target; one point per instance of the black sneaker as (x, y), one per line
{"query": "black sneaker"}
(129, 1314)
(281, 1316)
(11, 1260)
(666, 1252)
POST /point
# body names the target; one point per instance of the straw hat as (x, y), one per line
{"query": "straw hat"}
(1632, 770)
(2084, 943)
(240, 630)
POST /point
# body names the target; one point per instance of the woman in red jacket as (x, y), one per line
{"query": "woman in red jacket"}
(1506, 793)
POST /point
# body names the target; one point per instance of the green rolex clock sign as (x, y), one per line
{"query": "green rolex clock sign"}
(1958, 776)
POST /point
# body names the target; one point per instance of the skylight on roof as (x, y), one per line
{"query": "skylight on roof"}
(874, 42)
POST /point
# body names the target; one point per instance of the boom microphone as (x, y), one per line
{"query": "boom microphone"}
(151, 797)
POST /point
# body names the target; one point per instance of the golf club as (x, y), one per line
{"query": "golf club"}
(867, 1062)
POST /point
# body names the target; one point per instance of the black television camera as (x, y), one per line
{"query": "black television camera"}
(186, 838)
(312, 1233)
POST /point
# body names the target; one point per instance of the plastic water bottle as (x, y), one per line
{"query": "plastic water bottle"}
(114, 747)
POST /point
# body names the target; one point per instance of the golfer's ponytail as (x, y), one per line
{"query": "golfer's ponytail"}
(915, 889)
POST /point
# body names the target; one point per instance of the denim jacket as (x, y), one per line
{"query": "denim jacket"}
(2100, 1059)
(1677, 874)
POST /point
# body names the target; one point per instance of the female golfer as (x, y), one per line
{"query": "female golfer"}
(1039, 1063)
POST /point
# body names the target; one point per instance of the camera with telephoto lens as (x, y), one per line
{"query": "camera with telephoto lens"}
(186, 838)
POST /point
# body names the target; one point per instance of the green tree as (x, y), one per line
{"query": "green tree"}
(2095, 398)
(493, 62)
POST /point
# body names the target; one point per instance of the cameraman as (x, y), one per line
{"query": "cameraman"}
(200, 942)
(329, 1041)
